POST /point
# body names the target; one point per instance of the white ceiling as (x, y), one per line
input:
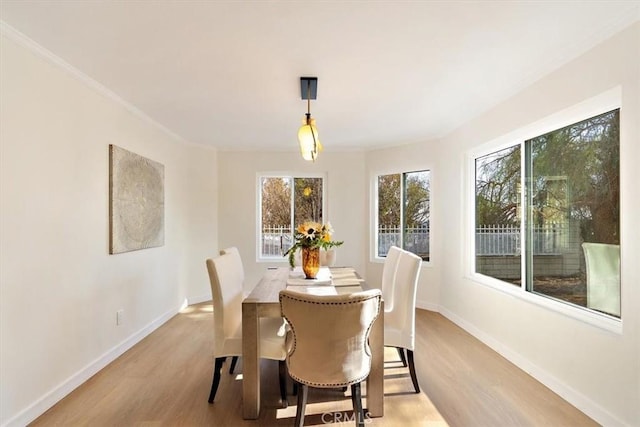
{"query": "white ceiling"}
(227, 73)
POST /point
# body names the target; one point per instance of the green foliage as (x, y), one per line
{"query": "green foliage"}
(389, 200)
(497, 187)
(416, 204)
(276, 201)
(413, 188)
(574, 176)
(587, 156)
(307, 200)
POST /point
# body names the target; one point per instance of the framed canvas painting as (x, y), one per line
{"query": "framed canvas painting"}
(136, 201)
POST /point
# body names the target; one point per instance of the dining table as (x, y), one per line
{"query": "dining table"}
(263, 301)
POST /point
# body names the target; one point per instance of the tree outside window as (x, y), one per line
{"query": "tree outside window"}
(286, 201)
(403, 212)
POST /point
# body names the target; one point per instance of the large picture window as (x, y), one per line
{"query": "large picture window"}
(402, 217)
(286, 201)
(560, 238)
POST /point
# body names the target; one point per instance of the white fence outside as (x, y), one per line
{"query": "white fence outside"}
(276, 240)
(416, 239)
(491, 240)
(497, 239)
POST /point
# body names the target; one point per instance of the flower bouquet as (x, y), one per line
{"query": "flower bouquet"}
(311, 236)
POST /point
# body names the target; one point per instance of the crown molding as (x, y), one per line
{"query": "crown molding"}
(24, 41)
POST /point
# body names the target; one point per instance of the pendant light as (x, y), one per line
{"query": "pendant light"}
(308, 134)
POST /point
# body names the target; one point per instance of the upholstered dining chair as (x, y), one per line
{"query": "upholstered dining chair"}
(389, 271)
(399, 285)
(388, 278)
(226, 277)
(327, 344)
(603, 277)
(235, 253)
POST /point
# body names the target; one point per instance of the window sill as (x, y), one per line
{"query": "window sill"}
(582, 314)
(272, 260)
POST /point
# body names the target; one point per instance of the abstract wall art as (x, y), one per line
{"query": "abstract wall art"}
(136, 201)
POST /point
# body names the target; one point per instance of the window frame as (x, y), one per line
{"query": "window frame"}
(373, 238)
(286, 174)
(602, 103)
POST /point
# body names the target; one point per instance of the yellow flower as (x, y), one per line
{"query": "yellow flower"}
(311, 234)
(310, 230)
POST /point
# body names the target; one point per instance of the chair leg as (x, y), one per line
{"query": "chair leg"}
(303, 389)
(282, 370)
(356, 398)
(234, 360)
(412, 371)
(216, 377)
(401, 354)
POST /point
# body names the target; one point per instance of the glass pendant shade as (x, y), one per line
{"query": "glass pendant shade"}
(309, 142)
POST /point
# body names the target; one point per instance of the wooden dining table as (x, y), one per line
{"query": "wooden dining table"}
(264, 301)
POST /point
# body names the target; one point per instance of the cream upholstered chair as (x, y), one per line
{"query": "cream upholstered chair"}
(399, 292)
(327, 345)
(233, 251)
(603, 277)
(389, 271)
(226, 277)
(388, 279)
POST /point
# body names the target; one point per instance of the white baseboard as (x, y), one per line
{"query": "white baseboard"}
(200, 298)
(41, 405)
(427, 306)
(583, 403)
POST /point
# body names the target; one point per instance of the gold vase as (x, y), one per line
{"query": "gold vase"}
(310, 262)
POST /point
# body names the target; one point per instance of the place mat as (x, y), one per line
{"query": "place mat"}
(352, 281)
(342, 270)
(301, 281)
(347, 275)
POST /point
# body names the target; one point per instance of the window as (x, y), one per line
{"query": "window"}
(537, 240)
(286, 201)
(402, 217)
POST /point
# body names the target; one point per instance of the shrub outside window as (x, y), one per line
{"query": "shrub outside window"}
(559, 239)
(402, 217)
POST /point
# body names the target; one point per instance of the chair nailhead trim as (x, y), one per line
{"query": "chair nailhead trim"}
(360, 379)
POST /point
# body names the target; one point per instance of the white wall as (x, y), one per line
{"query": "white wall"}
(346, 204)
(60, 288)
(596, 370)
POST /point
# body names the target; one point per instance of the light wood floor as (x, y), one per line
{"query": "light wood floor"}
(165, 380)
